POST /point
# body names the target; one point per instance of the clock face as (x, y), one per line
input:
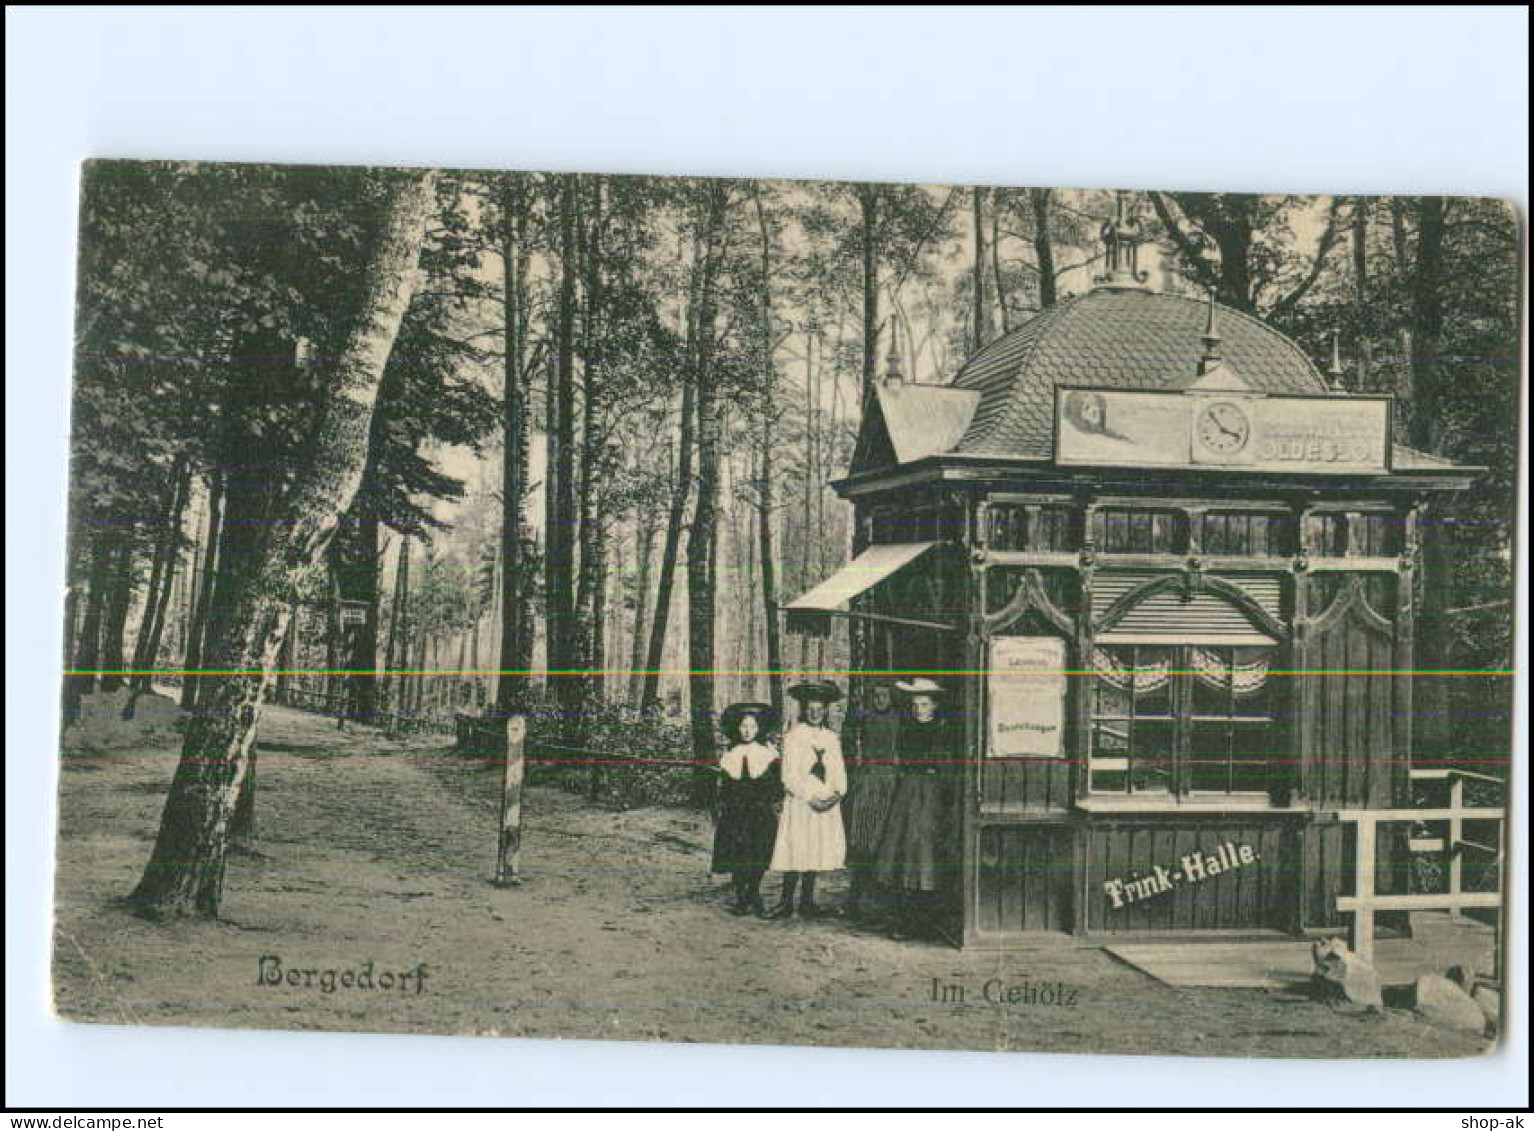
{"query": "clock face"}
(1222, 428)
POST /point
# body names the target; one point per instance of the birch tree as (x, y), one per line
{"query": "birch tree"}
(185, 874)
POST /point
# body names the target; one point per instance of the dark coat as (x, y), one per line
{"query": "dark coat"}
(748, 821)
(914, 851)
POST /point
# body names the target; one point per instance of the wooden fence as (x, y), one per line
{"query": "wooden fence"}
(1365, 903)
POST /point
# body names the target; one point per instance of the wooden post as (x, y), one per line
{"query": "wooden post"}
(1362, 935)
(1456, 834)
(509, 845)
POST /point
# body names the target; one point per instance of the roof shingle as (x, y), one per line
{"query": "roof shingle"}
(1123, 339)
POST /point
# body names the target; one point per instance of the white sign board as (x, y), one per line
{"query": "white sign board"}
(1026, 697)
(1224, 429)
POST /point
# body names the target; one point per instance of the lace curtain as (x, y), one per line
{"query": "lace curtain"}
(1246, 668)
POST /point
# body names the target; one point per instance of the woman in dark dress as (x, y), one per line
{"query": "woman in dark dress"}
(750, 786)
(874, 776)
(914, 856)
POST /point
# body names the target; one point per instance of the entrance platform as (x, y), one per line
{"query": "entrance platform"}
(1439, 941)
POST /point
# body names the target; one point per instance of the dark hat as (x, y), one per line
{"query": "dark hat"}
(822, 690)
(729, 718)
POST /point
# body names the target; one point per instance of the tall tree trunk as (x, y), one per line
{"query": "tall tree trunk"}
(88, 650)
(356, 564)
(1001, 287)
(868, 202)
(559, 486)
(593, 552)
(1399, 206)
(139, 680)
(511, 686)
(185, 874)
(157, 605)
(592, 581)
(1362, 320)
(198, 635)
(1428, 394)
(703, 539)
(670, 551)
(1042, 200)
(335, 698)
(287, 659)
(764, 494)
(980, 321)
(114, 623)
(811, 463)
(645, 529)
(399, 628)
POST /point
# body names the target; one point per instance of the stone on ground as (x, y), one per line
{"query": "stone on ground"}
(1439, 1000)
(1344, 978)
(1490, 1003)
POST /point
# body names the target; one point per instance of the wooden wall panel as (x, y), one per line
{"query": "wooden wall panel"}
(1025, 878)
(1259, 895)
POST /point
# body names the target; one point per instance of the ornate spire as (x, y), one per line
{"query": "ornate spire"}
(1211, 340)
(1121, 238)
(1334, 371)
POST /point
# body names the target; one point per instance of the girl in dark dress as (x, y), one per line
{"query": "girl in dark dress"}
(914, 854)
(750, 786)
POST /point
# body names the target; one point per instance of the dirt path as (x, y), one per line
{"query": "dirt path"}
(377, 852)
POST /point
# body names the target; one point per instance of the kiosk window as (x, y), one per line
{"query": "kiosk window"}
(1245, 534)
(1121, 531)
(1184, 719)
(1030, 527)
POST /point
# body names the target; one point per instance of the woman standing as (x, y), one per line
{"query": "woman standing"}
(810, 837)
(749, 790)
(876, 735)
(915, 848)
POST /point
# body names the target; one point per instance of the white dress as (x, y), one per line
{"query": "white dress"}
(809, 841)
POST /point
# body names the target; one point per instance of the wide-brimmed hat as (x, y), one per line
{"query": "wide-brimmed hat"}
(819, 690)
(729, 718)
(919, 686)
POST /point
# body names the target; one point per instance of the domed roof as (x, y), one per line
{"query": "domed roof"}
(1112, 338)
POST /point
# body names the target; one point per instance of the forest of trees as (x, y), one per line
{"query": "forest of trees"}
(403, 445)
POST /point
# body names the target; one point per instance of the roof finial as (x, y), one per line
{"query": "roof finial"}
(1211, 340)
(1335, 371)
(893, 378)
(1121, 238)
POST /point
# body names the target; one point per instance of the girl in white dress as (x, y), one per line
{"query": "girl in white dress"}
(810, 838)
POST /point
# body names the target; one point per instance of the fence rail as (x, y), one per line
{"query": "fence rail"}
(1365, 902)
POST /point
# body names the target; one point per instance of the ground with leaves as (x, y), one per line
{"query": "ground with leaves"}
(378, 851)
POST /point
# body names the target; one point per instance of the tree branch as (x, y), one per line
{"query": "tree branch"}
(1195, 258)
(1329, 240)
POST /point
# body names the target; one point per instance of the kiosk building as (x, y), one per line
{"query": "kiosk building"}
(1165, 569)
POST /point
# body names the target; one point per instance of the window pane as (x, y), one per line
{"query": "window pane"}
(1252, 754)
(1150, 767)
(1112, 699)
(1110, 754)
(1208, 758)
(1153, 668)
(1200, 718)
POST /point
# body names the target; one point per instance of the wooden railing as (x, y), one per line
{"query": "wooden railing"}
(1365, 903)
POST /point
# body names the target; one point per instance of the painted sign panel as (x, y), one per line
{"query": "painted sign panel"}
(1026, 697)
(1193, 868)
(1226, 429)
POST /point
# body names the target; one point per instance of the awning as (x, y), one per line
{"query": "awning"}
(859, 575)
(811, 612)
